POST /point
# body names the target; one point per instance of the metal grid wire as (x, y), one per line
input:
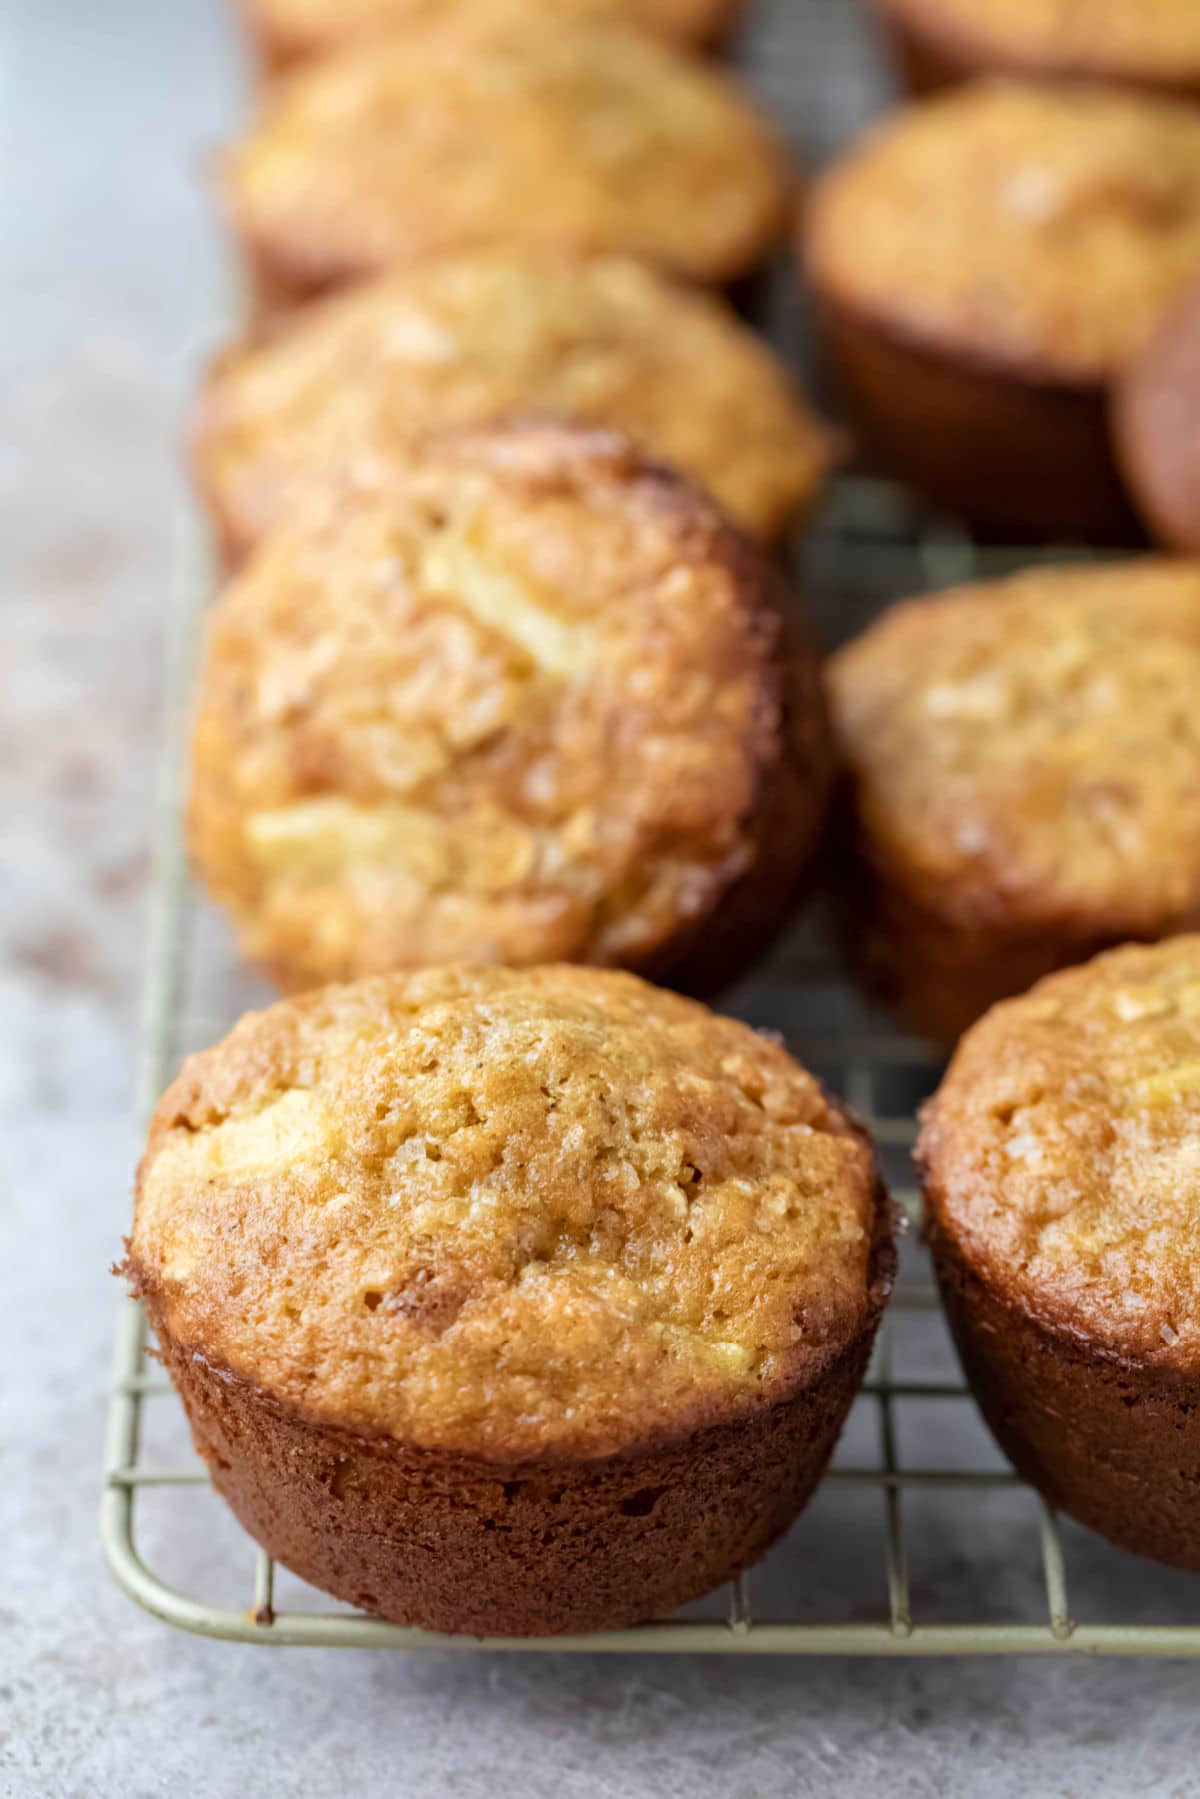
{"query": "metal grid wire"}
(920, 1540)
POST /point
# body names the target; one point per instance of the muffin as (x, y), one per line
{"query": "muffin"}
(1156, 419)
(985, 264)
(1152, 44)
(286, 31)
(355, 381)
(418, 145)
(509, 1302)
(537, 701)
(1023, 780)
(1061, 1186)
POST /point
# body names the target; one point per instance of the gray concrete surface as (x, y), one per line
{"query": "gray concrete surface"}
(111, 286)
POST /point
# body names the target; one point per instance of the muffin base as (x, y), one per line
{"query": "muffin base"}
(929, 61)
(1113, 1443)
(456, 1544)
(926, 63)
(274, 293)
(1017, 457)
(277, 54)
(935, 971)
(936, 974)
(1153, 419)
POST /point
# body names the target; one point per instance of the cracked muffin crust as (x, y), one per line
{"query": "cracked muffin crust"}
(1138, 43)
(986, 263)
(1024, 773)
(288, 30)
(538, 701)
(509, 1301)
(351, 384)
(1063, 1196)
(419, 145)
(1156, 423)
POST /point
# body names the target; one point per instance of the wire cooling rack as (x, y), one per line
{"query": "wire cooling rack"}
(920, 1541)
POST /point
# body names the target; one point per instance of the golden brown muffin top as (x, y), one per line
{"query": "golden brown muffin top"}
(1042, 230)
(556, 1212)
(351, 383)
(523, 706)
(1062, 1152)
(424, 144)
(294, 28)
(1152, 40)
(1028, 750)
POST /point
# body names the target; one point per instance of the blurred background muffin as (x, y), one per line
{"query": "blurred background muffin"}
(1151, 44)
(437, 142)
(536, 701)
(1024, 780)
(985, 263)
(285, 31)
(347, 386)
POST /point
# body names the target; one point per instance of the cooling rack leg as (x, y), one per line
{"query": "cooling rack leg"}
(1054, 1568)
(899, 1607)
(739, 1615)
(264, 1589)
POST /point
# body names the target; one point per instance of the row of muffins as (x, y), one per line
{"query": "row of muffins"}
(517, 1344)
(348, 390)
(520, 1302)
(1025, 347)
(992, 267)
(542, 702)
(492, 685)
(528, 1301)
